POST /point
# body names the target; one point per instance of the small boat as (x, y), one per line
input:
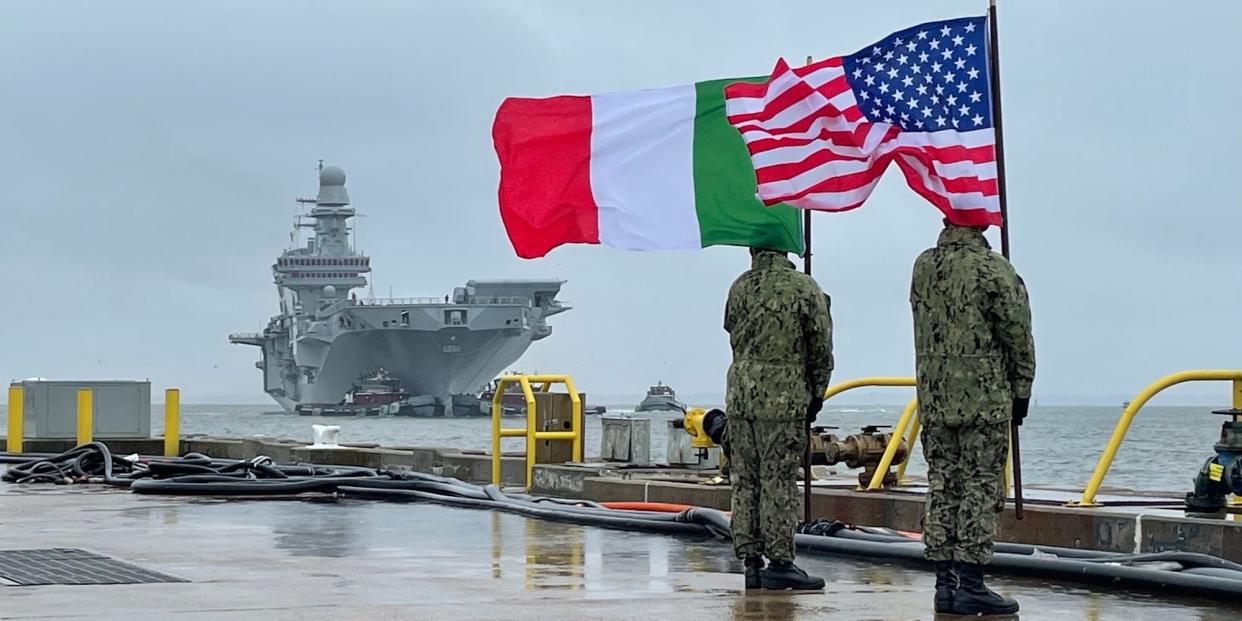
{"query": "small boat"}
(660, 398)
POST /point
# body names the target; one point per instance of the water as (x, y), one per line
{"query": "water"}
(1060, 445)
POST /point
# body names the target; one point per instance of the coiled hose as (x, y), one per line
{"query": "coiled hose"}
(197, 474)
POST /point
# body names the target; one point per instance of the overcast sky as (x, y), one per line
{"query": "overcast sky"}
(152, 151)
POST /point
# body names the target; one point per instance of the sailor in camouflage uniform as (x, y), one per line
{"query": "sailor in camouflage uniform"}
(975, 361)
(781, 334)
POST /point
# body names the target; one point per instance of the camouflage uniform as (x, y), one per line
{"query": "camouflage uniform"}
(781, 334)
(974, 355)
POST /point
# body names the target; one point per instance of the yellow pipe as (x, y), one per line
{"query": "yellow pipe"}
(911, 438)
(576, 424)
(497, 432)
(530, 430)
(86, 416)
(17, 400)
(837, 389)
(1237, 395)
(1127, 415)
(877, 479)
(172, 422)
(1009, 466)
(556, 435)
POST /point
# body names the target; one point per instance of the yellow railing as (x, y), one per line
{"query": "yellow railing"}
(86, 416)
(907, 415)
(532, 434)
(17, 400)
(172, 422)
(84, 427)
(1132, 408)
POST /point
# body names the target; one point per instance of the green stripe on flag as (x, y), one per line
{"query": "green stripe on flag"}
(724, 182)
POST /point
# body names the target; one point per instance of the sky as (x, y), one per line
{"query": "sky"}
(152, 151)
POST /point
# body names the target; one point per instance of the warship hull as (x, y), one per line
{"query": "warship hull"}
(417, 359)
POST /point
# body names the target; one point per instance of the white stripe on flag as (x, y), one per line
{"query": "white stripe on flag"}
(642, 169)
(963, 201)
(750, 105)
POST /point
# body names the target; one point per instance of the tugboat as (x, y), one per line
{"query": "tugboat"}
(377, 394)
(378, 389)
(661, 398)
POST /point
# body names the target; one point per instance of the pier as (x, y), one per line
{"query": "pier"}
(318, 556)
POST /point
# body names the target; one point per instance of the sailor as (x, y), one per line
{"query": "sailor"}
(781, 334)
(975, 361)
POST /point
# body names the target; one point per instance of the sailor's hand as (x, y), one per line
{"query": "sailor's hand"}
(1021, 405)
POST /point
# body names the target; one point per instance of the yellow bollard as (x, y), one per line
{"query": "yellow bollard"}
(86, 416)
(17, 399)
(172, 422)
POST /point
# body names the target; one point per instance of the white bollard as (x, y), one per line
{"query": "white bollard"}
(325, 436)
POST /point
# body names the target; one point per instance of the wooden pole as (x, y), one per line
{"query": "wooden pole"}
(806, 457)
(994, 76)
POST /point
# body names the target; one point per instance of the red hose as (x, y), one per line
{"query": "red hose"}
(659, 507)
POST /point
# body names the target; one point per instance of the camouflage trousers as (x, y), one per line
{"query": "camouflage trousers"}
(764, 462)
(965, 474)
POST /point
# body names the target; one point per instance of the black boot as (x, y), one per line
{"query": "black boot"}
(754, 566)
(946, 585)
(785, 576)
(973, 597)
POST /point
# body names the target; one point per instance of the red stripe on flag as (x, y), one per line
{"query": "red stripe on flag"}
(751, 90)
(840, 183)
(805, 70)
(964, 217)
(851, 115)
(544, 147)
(857, 136)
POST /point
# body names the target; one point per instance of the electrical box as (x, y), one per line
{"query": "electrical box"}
(680, 453)
(626, 439)
(554, 412)
(122, 408)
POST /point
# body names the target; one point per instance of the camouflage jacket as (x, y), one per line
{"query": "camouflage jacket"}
(972, 331)
(781, 334)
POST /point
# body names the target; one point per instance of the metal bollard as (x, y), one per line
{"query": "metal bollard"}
(86, 416)
(17, 399)
(172, 422)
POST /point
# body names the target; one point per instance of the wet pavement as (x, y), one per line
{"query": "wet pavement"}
(328, 559)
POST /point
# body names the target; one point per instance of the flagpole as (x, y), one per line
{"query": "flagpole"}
(994, 76)
(806, 456)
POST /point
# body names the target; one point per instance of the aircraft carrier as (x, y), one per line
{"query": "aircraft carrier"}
(326, 340)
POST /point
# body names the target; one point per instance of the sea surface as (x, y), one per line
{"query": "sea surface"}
(1060, 445)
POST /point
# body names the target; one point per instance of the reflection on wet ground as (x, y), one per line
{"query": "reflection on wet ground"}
(375, 560)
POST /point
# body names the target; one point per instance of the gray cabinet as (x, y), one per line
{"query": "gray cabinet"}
(122, 408)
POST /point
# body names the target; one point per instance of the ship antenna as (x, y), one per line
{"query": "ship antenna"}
(320, 169)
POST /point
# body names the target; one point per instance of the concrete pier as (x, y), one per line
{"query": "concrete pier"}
(330, 559)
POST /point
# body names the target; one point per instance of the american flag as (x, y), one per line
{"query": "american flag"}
(820, 136)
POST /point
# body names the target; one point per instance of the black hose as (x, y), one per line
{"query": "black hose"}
(1016, 563)
(558, 514)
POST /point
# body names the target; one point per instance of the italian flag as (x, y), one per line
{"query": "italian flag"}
(657, 169)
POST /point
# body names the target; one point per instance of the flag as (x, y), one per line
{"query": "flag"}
(657, 169)
(821, 136)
